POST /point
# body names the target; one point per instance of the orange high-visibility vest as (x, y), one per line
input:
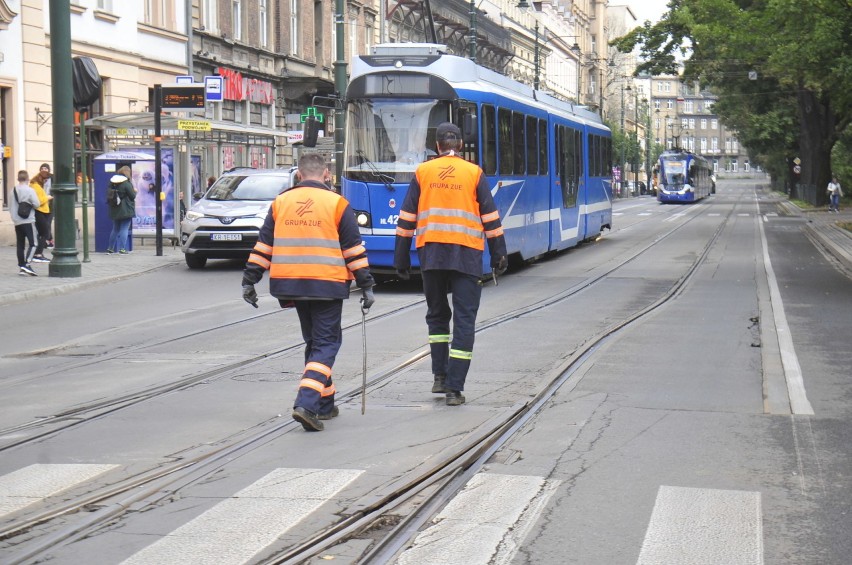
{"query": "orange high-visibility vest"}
(448, 211)
(307, 242)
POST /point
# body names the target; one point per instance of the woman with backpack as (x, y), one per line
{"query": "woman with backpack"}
(121, 197)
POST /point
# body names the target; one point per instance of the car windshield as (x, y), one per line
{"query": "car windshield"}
(389, 138)
(252, 187)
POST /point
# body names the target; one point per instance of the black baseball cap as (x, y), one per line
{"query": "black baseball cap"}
(447, 132)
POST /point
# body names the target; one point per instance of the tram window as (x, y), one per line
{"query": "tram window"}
(532, 146)
(578, 155)
(519, 150)
(470, 152)
(489, 140)
(542, 147)
(594, 154)
(504, 141)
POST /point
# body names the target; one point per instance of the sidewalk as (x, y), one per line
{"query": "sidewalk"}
(823, 226)
(100, 269)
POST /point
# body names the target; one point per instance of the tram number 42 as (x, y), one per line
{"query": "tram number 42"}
(390, 220)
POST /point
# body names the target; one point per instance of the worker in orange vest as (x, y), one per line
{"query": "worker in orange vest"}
(450, 208)
(311, 246)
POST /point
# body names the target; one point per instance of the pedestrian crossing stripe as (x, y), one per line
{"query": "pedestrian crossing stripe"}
(485, 523)
(236, 529)
(34, 483)
(704, 527)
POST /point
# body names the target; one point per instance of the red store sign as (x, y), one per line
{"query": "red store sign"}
(239, 88)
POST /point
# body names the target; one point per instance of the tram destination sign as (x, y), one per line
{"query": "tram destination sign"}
(183, 97)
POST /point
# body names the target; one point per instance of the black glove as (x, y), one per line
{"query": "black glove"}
(500, 265)
(249, 294)
(367, 298)
(403, 274)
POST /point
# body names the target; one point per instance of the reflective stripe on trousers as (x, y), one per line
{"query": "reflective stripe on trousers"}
(320, 322)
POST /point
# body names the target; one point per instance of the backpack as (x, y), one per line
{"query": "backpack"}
(113, 198)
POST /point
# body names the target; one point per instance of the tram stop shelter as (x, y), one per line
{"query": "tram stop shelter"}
(193, 148)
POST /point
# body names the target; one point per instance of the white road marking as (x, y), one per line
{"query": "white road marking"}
(744, 215)
(484, 524)
(704, 526)
(799, 403)
(29, 485)
(237, 528)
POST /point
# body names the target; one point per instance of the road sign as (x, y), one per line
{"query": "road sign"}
(194, 125)
(184, 79)
(183, 97)
(214, 88)
(797, 169)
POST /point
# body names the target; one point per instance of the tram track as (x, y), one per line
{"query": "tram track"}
(155, 485)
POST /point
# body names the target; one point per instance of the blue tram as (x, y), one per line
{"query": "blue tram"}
(683, 177)
(547, 161)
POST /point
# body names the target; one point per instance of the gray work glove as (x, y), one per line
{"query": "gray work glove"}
(500, 265)
(249, 294)
(367, 298)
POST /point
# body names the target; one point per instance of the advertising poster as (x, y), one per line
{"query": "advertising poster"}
(144, 177)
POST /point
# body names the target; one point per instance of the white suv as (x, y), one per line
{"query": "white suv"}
(225, 222)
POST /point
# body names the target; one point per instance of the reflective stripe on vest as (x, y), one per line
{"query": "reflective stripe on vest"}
(307, 243)
(448, 211)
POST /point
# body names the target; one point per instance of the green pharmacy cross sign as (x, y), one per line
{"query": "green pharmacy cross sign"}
(311, 112)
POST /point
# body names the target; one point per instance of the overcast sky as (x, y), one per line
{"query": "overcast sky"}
(648, 9)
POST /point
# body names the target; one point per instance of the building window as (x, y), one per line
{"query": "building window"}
(684, 123)
(369, 33)
(105, 5)
(667, 86)
(209, 15)
(657, 104)
(160, 13)
(237, 19)
(353, 33)
(687, 106)
(703, 123)
(669, 104)
(714, 144)
(714, 124)
(692, 123)
(263, 16)
(703, 144)
(294, 27)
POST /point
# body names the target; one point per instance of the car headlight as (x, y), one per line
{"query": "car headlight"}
(193, 216)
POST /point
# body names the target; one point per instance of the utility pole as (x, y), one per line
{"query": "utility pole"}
(64, 262)
(340, 87)
(621, 174)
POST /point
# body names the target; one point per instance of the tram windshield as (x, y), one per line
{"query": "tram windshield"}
(387, 139)
(674, 172)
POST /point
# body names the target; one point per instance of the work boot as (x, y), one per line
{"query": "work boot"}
(333, 413)
(438, 386)
(454, 398)
(308, 419)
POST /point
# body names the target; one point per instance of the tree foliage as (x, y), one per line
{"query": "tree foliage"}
(781, 70)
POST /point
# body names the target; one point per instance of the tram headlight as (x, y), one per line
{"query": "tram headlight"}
(363, 219)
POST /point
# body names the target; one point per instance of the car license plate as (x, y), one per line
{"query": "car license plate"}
(226, 237)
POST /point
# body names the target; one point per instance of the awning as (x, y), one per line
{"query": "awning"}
(139, 126)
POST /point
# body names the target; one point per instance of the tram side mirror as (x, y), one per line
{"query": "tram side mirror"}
(469, 128)
(310, 132)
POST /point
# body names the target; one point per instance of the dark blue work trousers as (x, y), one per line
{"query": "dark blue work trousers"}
(320, 321)
(451, 358)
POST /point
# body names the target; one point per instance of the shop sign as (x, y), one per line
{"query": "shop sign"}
(240, 88)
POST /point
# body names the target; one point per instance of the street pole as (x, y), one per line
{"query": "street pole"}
(340, 87)
(64, 262)
(472, 31)
(536, 57)
(84, 200)
(158, 167)
(623, 144)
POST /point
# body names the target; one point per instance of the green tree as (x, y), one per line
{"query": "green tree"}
(780, 67)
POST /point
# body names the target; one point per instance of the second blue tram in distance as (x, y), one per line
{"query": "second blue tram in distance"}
(683, 177)
(547, 161)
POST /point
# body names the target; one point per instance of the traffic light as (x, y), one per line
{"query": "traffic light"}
(310, 131)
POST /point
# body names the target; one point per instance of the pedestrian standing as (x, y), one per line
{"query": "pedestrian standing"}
(41, 184)
(24, 234)
(122, 207)
(834, 194)
(451, 208)
(312, 248)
